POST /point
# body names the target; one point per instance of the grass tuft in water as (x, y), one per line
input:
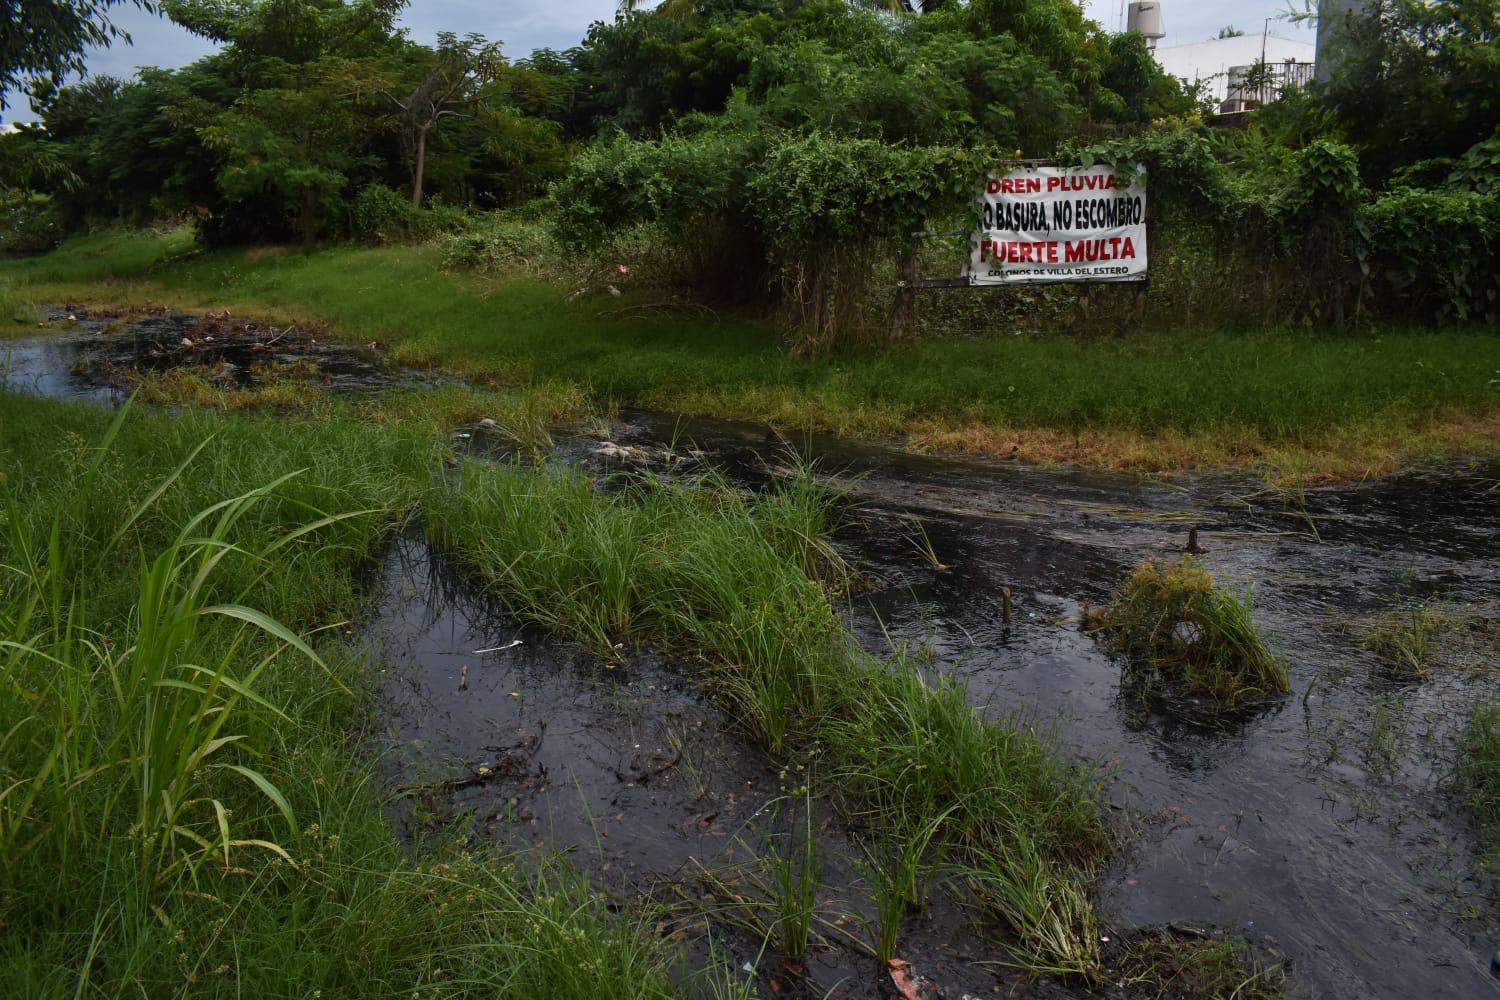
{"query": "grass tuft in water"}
(742, 583)
(1056, 928)
(795, 866)
(1162, 964)
(1414, 639)
(19, 316)
(1320, 403)
(1477, 781)
(203, 388)
(1192, 637)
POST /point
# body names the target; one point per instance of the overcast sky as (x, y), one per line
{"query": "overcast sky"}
(524, 25)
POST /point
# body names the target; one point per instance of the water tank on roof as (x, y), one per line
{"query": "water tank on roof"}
(1146, 19)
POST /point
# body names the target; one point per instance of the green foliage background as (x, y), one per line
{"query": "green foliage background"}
(787, 149)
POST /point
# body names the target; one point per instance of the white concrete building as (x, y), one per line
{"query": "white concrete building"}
(1213, 60)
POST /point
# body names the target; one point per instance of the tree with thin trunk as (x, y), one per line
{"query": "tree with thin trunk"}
(452, 87)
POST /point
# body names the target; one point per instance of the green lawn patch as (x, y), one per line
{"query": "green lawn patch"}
(1313, 403)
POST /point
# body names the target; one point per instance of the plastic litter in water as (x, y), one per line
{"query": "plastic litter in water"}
(498, 649)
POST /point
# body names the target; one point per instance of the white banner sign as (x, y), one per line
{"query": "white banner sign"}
(1059, 224)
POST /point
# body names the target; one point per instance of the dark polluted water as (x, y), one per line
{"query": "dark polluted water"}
(1321, 825)
(628, 770)
(100, 356)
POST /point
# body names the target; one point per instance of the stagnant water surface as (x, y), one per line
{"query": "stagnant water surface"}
(626, 768)
(100, 355)
(1320, 826)
(1321, 823)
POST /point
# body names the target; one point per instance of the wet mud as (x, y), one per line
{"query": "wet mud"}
(1320, 824)
(629, 771)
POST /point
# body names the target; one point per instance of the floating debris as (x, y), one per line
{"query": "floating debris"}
(498, 649)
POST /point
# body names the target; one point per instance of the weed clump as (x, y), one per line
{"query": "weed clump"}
(204, 388)
(741, 583)
(179, 791)
(1190, 636)
(1056, 928)
(18, 313)
(1477, 780)
(1404, 640)
(1163, 963)
(1412, 640)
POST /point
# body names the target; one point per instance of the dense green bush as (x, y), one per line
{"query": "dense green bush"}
(1478, 169)
(1301, 227)
(383, 215)
(29, 225)
(781, 151)
(1433, 251)
(806, 217)
(379, 213)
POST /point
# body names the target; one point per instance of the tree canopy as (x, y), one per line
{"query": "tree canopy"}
(44, 40)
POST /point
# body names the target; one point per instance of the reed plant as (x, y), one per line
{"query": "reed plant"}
(1057, 931)
(795, 880)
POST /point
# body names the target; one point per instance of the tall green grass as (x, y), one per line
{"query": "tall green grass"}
(1477, 778)
(733, 580)
(184, 807)
(159, 711)
(18, 314)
